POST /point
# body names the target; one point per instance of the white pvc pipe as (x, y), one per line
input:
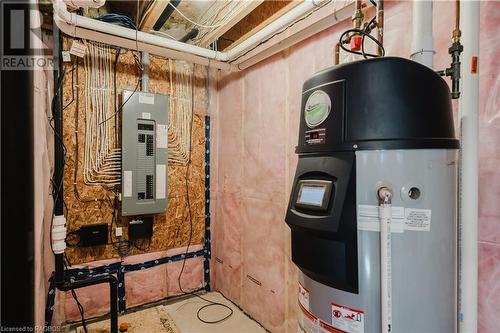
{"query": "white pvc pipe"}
(385, 213)
(69, 22)
(85, 3)
(422, 48)
(276, 25)
(385, 195)
(469, 120)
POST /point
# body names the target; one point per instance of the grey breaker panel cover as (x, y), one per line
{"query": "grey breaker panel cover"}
(144, 153)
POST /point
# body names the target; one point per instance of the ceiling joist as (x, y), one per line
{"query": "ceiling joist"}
(212, 36)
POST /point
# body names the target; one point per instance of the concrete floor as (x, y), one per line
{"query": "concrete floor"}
(180, 317)
(184, 315)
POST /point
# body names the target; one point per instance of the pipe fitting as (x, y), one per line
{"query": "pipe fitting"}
(59, 234)
(385, 195)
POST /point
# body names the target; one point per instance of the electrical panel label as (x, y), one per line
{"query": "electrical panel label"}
(161, 174)
(161, 136)
(146, 98)
(348, 319)
(411, 219)
(418, 219)
(146, 115)
(127, 183)
(303, 297)
(66, 56)
(78, 49)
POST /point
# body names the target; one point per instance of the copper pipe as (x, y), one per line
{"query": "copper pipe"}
(380, 25)
(337, 54)
(457, 33)
(357, 17)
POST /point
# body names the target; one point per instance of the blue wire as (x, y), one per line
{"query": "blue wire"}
(118, 19)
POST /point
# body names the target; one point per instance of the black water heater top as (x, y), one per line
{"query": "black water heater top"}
(380, 103)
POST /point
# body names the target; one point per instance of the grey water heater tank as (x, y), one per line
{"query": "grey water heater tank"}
(366, 124)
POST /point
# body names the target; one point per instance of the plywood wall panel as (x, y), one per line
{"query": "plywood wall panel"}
(170, 230)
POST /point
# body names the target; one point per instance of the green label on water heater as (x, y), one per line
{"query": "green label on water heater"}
(317, 108)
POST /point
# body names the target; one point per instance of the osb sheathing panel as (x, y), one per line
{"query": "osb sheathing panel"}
(170, 230)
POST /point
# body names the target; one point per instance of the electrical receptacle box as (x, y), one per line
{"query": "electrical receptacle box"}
(144, 153)
(93, 235)
(140, 228)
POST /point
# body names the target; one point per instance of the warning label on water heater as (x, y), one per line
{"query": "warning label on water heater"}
(303, 297)
(418, 219)
(348, 319)
(413, 219)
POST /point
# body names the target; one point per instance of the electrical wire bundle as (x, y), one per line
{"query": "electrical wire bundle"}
(102, 158)
(181, 112)
(218, 14)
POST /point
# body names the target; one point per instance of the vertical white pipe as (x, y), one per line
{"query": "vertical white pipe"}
(385, 216)
(422, 46)
(469, 119)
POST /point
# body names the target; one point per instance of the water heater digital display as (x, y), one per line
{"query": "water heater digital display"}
(312, 195)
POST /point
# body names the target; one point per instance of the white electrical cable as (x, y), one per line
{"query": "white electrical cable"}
(181, 112)
(162, 33)
(193, 22)
(102, 162)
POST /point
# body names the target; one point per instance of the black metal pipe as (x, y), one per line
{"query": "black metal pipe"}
(167, 12)
(190, 35)
(113, 293)
(59, 268)
(58, 123)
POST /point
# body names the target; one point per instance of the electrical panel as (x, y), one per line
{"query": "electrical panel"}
(144, 153)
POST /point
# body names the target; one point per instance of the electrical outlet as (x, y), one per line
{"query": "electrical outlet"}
(118, 231)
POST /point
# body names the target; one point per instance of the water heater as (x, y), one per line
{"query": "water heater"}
(366, 125)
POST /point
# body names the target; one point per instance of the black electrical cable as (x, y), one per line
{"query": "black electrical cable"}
(362, 33)
(367, 30)
(143, 249)
(188, 203)
(69, 238)
(75, 297)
